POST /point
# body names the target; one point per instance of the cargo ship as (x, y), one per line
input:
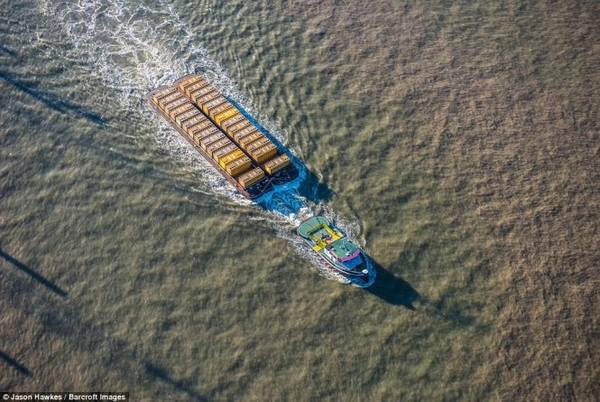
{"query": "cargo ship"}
(223, 135)
(252, 162)
(337, 250)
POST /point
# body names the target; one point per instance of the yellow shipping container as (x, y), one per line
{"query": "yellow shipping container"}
(251, 177)
(276, 164)
(225, 115)
(231, 157)
(224, 152)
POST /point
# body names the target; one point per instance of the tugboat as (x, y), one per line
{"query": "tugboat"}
(337, 250)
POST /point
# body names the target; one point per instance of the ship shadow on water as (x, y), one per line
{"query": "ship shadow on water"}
(52, 101)
(15, 364)
(392, 289)
(33, 274)
(181, 386)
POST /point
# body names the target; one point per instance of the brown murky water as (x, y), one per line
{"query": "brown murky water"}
(457, 141)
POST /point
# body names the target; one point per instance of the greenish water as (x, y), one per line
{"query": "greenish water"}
(444, 135)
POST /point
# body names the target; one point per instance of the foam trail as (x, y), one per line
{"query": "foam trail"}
(135, 47)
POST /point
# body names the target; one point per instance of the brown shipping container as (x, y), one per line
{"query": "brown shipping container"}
(251, 177)
(215, 146)
(211, 139)
(163, 93)
(199, 118)
(175, 104)
(223, 152)
(249, 139)
(207, 132)
(201, 92)
(238, 166)
(244, 132)
(218, 109)
(276, 164)
(180, 109)
(238, 126)
(193, 130)
(205, 98)
(190, 114)
(194, 86)
(189, 81)
(264, 153)
(164, 102)
(212, 103)
(253, 146)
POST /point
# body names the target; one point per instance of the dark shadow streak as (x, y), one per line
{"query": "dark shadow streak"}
(34, 274)
(52, 101)
(392, 289)
(15, 364)
(179, 385)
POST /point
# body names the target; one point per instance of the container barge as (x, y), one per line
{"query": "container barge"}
(224, 136)
(251, 162)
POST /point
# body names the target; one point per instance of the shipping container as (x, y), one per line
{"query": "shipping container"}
(264, 153)
(211, 139)
(238, 126)
(213, 111)
(200, 100)
(189, 115)
(175, 104)
(238, 166)
(199, 118)
(198, 93)
(276, 164)
(253, 146)
(226, 115)
(207, 132)
(243, 133)
(164, 102)
(200, 127)
(191, 80)
(180, 109)
(213, 103)
(250, 138)
(229, 119)
(163, 94)
(249, 178)
(215, 146)
(225, 151)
